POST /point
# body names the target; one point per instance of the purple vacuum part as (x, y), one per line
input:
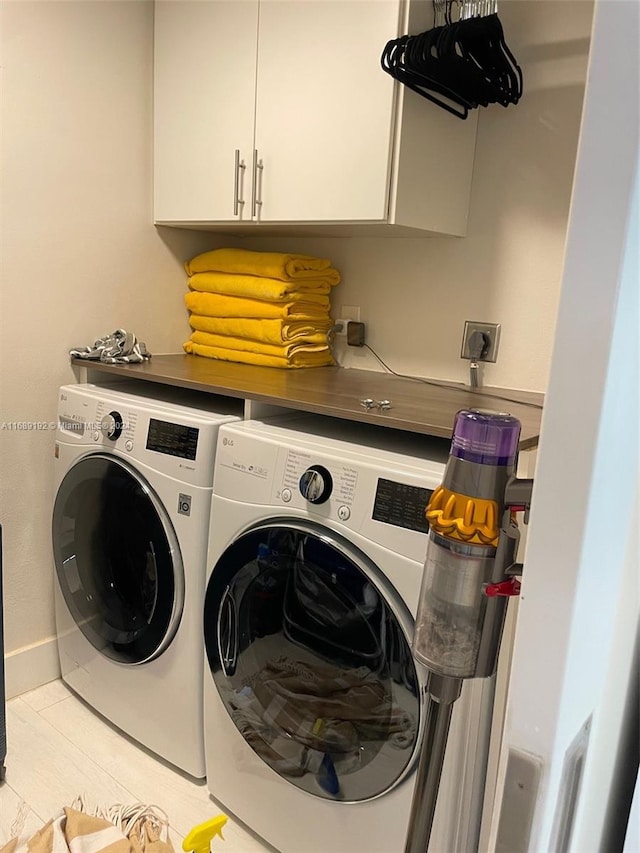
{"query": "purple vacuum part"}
(490, 438)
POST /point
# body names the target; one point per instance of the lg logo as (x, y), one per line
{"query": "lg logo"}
(227, 442)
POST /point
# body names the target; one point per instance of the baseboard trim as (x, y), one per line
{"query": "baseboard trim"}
(31, 667)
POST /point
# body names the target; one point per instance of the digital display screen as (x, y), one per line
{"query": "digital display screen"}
(172, 439)
(72, 425)
(401, 505)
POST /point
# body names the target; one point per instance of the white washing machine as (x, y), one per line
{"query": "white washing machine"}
(313, 706)
(132, 483)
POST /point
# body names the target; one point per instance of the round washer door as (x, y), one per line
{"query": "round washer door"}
(117, 559)
(312, 661)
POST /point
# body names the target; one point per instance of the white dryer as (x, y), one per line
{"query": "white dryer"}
(132, 483)
(313, 705)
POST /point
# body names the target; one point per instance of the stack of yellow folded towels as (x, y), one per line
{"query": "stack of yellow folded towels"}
(265, 308)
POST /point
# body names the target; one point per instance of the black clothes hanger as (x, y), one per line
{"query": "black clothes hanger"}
(481, 41)
(413, 71)
(458, 64)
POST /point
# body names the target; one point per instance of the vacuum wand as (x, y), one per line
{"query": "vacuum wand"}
(425, 794)
(468, 576)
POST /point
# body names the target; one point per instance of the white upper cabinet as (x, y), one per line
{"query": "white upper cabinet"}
(278, 111)
(204, 107)
(324, 109)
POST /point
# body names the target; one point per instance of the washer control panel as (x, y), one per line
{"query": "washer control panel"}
(379, 493)
(317, 483)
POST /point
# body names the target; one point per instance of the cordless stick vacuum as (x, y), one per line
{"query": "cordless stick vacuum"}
(468, 576)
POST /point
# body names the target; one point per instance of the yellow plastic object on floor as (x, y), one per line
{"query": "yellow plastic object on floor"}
(199, 839)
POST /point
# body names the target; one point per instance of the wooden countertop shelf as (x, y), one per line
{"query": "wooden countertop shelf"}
(335, 391)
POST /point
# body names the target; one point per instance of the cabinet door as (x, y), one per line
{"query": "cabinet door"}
(324, 109)
(204, 108)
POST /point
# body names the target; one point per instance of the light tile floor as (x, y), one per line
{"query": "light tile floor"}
(59, 748)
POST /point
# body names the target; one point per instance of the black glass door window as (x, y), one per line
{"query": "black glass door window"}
(117, 560)
(312, 663)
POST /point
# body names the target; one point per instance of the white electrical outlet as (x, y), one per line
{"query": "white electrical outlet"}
(491, 332)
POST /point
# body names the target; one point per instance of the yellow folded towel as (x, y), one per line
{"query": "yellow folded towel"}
(280, 265)
(219, 305)
(281, 350)
(255, 286)
(299, 359)
(276, 332)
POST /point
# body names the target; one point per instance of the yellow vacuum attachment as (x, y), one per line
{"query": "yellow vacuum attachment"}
(465, 518)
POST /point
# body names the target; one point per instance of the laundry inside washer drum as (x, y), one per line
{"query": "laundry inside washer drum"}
(311, 665)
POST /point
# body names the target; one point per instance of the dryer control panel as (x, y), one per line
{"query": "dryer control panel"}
(111, 426)
(170, 438)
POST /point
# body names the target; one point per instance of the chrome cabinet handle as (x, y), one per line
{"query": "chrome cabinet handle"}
(256, 200)
(228, 654)
(237, 201)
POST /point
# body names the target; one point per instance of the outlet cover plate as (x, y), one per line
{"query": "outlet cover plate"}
(491, 330)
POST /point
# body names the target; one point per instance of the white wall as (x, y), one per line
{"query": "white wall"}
(80, 256)
(416, 293)
(580, 602)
